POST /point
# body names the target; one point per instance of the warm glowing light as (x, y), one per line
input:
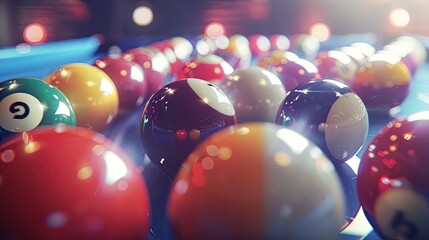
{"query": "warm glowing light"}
(214, 30)
(35, 33)
(320, 31)
(399, 17)
(142, 16)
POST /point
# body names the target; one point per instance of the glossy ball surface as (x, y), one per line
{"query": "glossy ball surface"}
(329, 114)
(393, 179)
(382, 82)
(91, 92)
(154, 64)
(178, 117)
(293, 73)
(259, 45)
(335, 65)
(275, 189)
(128, 78)
(279, 42)
(210, 67)
(70, 183)
(255, 93)
(26, 103)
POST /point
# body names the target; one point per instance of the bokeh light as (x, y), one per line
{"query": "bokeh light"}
(214, 30)
(35, 33)
(142, 16)
(399, 17)
(320, 31)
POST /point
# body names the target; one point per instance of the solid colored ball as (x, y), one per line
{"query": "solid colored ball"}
(382, 82)
(259, 45)
(128, 78)
(329, 114)
(255, 93)
(182, 48)
(404, 54)
(26, 103)
(293, 73)
(91, 92)
(178, 117)
(393, 179)
(70, 183)
(336, 65)
(154, 64)
(168, 49)
(256, 181)
(210, 67)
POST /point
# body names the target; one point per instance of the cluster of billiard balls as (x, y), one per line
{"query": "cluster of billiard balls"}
(251, 151)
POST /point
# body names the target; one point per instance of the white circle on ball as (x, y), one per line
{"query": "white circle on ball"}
(20, 112)
(212, 96)
(402, 213)
(346, 126)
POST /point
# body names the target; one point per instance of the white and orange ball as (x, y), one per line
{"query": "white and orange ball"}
(275, 189)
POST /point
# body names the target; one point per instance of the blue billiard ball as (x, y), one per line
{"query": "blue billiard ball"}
(328, 113)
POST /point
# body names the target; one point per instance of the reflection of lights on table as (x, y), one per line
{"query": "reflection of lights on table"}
(360, 225)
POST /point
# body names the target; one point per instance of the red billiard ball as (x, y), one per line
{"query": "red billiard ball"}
(293, 73)
(393, 179)
(256, 181)
(70, 183)
(128, 78)
(178, 117)
(168, 49)
(382, 83)
(210, 67)
(256, 94)
(259, 45)
(336, 65)
(329, 114)
(154, 64)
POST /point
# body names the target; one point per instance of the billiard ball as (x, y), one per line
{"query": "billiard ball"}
(354, 53)
(70, 183)
(279, 42)
(167, 48)
(382, 82)
(91, 92)
(237, 53)
(209, 67)
(255, 93)
(393, 179)
(336, 65)
(259, 45)
(366, 48)
(154, 64)
(414, 46)
(404, 54)
(329, 114)
(182, 47)
(305, 46)
(178, 117)
(256, 181)
(26, 103)
(292, 73)
(276, 57)
(128, 78)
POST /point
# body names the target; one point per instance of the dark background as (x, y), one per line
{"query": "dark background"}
(66, 19)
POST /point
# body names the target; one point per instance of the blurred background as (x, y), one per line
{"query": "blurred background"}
(38, 21)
